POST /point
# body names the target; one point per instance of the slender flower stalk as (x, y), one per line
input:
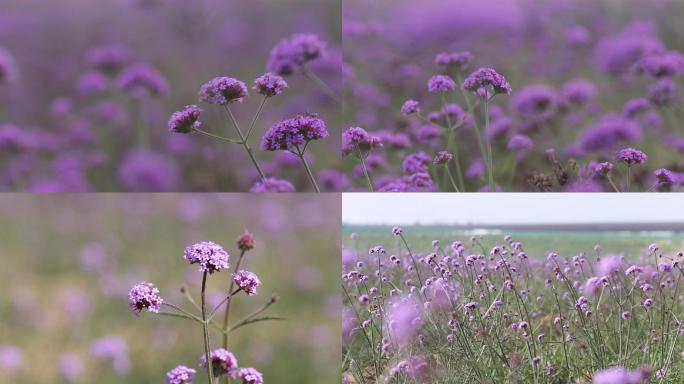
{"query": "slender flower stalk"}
(205, 330)
(309, 74)
(245, 144)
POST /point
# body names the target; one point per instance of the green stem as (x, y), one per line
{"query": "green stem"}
(629, 177)
(365, 172)
(451, 178)
(256, 117)
(226, 316)
(478, 133)
(490, 165)
(244, 143)
(207, 348)
(217, 137)
(312, 179)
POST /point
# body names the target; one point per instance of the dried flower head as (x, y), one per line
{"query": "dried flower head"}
(246, 241)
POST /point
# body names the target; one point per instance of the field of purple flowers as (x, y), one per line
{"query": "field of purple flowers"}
(109, 289)
(490, 309)
(169, 95)
(513, 95)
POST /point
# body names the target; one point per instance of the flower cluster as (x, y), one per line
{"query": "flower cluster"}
(247, 281)
(292, 53)
(294, 134)
(185, 120)
(223, 91)
(210, 256)
(144, 296)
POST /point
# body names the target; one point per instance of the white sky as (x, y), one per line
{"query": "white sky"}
(506, 208)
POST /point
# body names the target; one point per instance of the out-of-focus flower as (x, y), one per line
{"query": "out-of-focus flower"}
(271, 184)
(290, 54)
(142, 80)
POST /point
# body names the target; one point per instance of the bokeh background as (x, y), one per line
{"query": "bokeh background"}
(68, 262)
(75, 132)
(390, 48)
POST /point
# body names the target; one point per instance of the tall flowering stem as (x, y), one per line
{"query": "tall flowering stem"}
(413, 260)
(205, 330)
(252, 124)
(362, 159)
(309, 74)
(300, 153)
(490, 162)
(226, 315)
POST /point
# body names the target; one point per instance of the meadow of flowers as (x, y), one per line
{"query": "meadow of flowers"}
(512, 95)
(424, 306)
(141, 289)
(172, 95)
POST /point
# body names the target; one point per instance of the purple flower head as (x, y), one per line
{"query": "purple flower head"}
(108, 58)
(294, 134)
(442, 157)
(608, 132)
(410, 107)
(92, 82)
(635, 107)
(601, 169)
(210, 256)
(11, 358)
(617, 375)
(8, 68)
(487, 82)
(577, 36)
(142, 80)
(618, 54)
(357, 138)
(666, 177)
(579, 91)
(222, 362)
(71, 367)
(536, 101)
(223, 91)
(248, 281)
(419, 181)
(667, 64)
(520, 143)
(250, 376)
(144, 296)
(631, 156)
(440, 83)
(396, 231)
(269, 85)
(662, 93)
(114, 349)
(148, 171)
(416, 163)
(185, 120)
(246, 241)
(294, 52)
(403, 320)
(180, 375)
(458, 61)
(609, 264)
(271, 184)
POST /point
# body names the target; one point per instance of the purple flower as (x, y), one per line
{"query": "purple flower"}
(115, 349)
(185, 120)
(579, 91)
(410, 107)
(454, 61)
(608, 132)
(210, 256)
(396, 231)
(661, 65)
(666, 176)
(180, 375)
(271, 184)
(142, 80)
(92, 82)
(269, 85)
(440, 83)
(617, 375)
(487, 82)
(250, 376)
(601, 169)
(416, 163)
(248, 281)
(520, 143)
(144, 296)
(294, 134)
(223, 91)
(536, 100)
(11, 358)
(442, 157)
(358, 138)
(148, 171)
(631, 156)
(222, 362)
(635, 107)
(71, 367)
(294, 52)
(108, 58)
(662, 93)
